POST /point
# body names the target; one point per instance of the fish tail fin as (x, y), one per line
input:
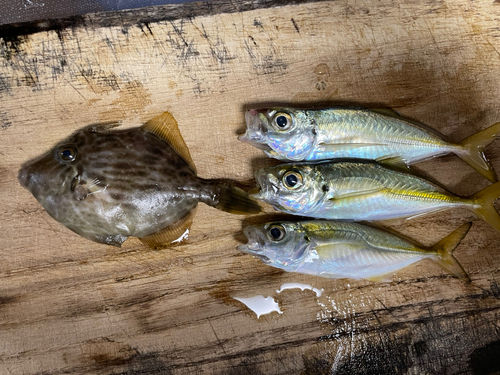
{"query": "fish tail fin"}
(473, 151)
(234, 200)
(445, 248)
(483, 205)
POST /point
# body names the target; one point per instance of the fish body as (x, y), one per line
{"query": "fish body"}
(109, 185)
(336, 133)
(345, 250)
(362, 191)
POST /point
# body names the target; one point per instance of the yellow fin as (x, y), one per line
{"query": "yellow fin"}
(171, 235)
(165, 127)
(381, 278)
(234, 200)
(445, 248)
(474, 146)
(486, 209)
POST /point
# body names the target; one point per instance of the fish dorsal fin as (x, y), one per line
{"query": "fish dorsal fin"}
(172, 235)
(104, 127)
(165, 127)
(387, 112)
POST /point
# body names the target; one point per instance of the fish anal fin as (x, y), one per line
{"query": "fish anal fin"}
(165, 127)
(381, 278)
(171, 235)
(445, 248)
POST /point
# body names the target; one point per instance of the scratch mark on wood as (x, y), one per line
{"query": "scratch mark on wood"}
(295, 25)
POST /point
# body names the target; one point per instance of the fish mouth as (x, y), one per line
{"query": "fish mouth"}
(254, 245)
(255, 133)
(267, 186)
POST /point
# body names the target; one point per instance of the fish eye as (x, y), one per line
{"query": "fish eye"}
(292, 180)
(67, 154)
(276, 232)
(282, 121)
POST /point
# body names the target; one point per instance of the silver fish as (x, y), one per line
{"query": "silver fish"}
(109, 185)
(381, 135)
(346, 250)
(363, 191)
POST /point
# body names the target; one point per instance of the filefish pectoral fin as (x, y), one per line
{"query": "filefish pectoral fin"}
(165, 127)
(171, 235)
(445, 248)
(83, 189)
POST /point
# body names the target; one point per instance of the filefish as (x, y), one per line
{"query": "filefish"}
(363, 191)
(346, 250)
(107, 185)
(340, 133)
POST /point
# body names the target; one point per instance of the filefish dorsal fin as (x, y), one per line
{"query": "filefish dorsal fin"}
(165, 127)
(171, 235)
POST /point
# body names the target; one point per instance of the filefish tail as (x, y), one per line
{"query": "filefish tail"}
(445, 248)
(473, 147)
(234, 200)
(483, 205)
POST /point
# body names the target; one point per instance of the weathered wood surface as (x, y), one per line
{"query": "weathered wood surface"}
(68, 305)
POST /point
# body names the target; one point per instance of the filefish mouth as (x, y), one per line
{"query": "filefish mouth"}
(256, 130)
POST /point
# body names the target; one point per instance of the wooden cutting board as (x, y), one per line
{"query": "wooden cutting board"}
(68, 305)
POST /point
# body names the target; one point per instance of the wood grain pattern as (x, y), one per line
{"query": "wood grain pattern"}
(68, 305)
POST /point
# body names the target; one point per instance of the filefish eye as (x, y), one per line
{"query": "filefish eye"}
(276, 232)
(67, 154)
(292, 180)
(282, 121)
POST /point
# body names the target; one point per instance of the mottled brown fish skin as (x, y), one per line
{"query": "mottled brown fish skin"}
(121, 184)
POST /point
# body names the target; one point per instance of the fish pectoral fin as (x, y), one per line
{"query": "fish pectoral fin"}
(165, 127)
(85, 188)
(359, 194)
(338, 249)
(333, 147)
(172, 235)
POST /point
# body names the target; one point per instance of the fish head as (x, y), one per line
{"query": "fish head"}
(279, 244)
(51, 177)
(282, 133)
(65, 181)
(292, 188)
